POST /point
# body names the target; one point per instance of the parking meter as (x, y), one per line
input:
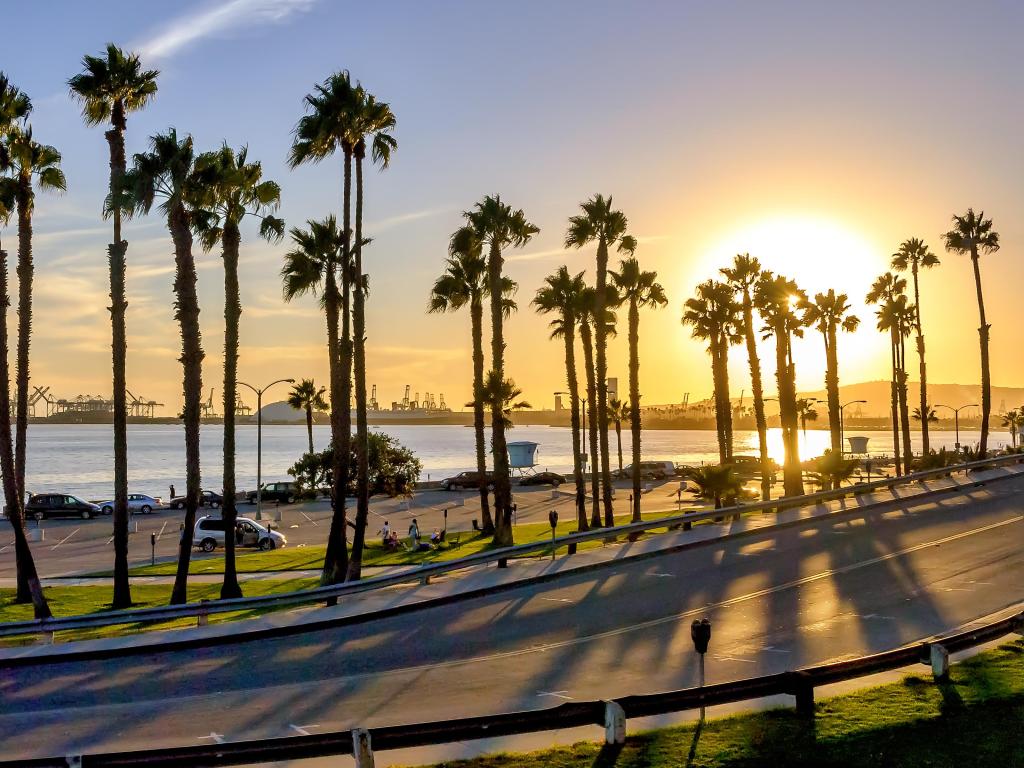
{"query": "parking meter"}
(152, 548)
(700, 633)
(553, 521)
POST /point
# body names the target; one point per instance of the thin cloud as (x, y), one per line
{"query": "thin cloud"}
(538, 255)
(212, 21)
(404, 218)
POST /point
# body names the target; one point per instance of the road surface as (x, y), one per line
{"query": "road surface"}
(778, 600)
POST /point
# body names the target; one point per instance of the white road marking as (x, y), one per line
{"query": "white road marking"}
(110, 539)
(878, 616)
(161, 532)
(217, 738)
(555, 694)
(301, 729)
(7, 546)
(314, 522)
(662, 575)
(733, 658)
(557, 599)
(66, 538)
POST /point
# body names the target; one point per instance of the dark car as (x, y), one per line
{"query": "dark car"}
(749, 467)
(285, 491)
(467, 480)
(206, 499)
(543, 478)
(46, 505)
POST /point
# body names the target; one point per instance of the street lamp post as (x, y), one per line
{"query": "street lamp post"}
(259, 439)
(956, 419)
(842, 432)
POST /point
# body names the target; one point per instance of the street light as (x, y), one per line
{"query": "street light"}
(956, 418)
(259, 439)
(842, 438)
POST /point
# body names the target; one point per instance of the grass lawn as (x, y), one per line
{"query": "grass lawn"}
(75, 601)
(312, 557)
(977, 719)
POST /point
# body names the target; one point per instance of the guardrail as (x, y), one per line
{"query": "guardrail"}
(361, 742)
(201, 611)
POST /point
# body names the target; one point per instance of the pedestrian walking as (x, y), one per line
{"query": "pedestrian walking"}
(414, 534)
(173, 494)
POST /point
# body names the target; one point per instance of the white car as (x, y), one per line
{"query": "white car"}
(209, 534)
(138, 503)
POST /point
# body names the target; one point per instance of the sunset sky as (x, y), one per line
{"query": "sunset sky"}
(813, 136)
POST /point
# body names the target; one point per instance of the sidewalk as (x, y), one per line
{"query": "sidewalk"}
(479, 581)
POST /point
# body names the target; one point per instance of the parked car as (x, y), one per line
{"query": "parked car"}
(209, 534)
(286, 491)
(46, 505)
(749, 467)
(468, 480)
(650, 470)
(138, 503)
(543, 478)
(206, 499)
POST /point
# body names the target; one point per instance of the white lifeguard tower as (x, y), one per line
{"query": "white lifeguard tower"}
(522, 455)
(858, 444)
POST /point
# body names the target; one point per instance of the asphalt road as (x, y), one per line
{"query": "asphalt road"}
(777, 601)
(74, 547)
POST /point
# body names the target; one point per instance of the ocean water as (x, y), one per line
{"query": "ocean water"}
(78, 458)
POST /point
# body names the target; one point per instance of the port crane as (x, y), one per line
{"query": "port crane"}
(139, 407)
(206, 409)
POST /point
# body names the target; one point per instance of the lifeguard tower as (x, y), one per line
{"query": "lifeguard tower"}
(858, 445)
(522, 456)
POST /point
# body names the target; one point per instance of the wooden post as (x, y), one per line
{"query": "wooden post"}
(614, 723)
(939, 658)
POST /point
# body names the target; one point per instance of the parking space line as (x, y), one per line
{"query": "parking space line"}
(7, 546)
(314, 522)
(161, 531)
(302, 729)
(66, 538)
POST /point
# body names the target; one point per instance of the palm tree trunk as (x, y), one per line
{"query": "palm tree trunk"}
(720, 406)
(569, 337)
(309, 425)
(476, 312)
(895, 405)
(340, 367)
(336, 556)
(601, 364)
(792, 473)
(25, 271)
(634, 402)
(499, 447)
(116, 251)
(832, 388)
(187, 313)
(588, 362)
(618, 440)
(986, 380)
(362, 432)
(231, 239)
(723, 349)
(26, 566)
(925, 445)
(758, 393)
(908, 449)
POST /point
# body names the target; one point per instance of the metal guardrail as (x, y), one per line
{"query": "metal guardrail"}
(612, 715)
(499, 556)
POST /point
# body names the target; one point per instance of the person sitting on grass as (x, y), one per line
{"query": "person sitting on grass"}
(436, 538)
(392, 541)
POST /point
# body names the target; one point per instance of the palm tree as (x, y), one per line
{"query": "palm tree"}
(31, 164)
(505, 392)
(371, 124)
(497, 226)
(714, 315)
(312, 267)
(324, 130)
(601, 223)
(743, 276)
(109, 88)
(307, 396)
(636, 288)
(805, 412)
(14, 106)
(236, 189)
(561, 294)
(464, 282)
(914, 255)
(834, 469)
(972, 234)
(885, 292)
(932, 416)
(776, 299)
(717, 482)
(168, 172)
(618, 412)
(1013, 421)
(830, 312)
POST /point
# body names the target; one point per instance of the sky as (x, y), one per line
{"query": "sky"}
(815, 136)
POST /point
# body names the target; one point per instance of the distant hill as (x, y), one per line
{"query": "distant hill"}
(877, 394)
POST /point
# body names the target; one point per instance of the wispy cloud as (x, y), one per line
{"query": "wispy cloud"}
(405, 218)
(538, 255)
(213, 20)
